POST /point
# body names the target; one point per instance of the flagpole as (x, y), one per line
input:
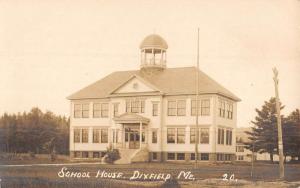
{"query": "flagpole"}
(197, 104)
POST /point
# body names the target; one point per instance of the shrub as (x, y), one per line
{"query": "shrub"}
(32, 154)
(111, 155)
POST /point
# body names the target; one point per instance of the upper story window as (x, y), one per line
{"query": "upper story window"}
(229, 110)
(171, 108)
(203, 107)
(104, 110)
(181, 105)
(100, 110)
(135, 106)
(225, 109)
(177, 108)
(155, 109)
(221, 108)
(116, 109)
(81, 110)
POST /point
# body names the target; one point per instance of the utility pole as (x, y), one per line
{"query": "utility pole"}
(280, 143)
(252, 161)
(197, 104)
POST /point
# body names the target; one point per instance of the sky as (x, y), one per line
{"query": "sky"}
(50, 49)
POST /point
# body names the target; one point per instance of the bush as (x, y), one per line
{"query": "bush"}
(32, 154)
(111, 155)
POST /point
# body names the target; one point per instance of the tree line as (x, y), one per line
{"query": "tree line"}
(35, 132)
(264, 136)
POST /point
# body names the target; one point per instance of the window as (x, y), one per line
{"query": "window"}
(220, 157)
(240, 157)
(85, 154)
(240, 149)
(81, 110)
(115, 135)
(154, 137)
(171, 108)
(128, 106)
(171, 135)
(194, 108)
(142, 106)
(77, 111)
(104, 135)
(135, 106)
(76, 135)
(85, 136)
(96, 110)
(85, 110)
(221, 108)
(96, 155)
(171, 156)
(181, 105)
(77, 154)
(192, 156)
(96, 136)
(227, 157)
(104, 110)
(181, 135)
(154, 156)
(220, 136)
(116, 109)
(204, 156)
(192, 135)
(205, 107)
(228, 137)
(204, 136)
(230, 111)
(180, 156)
(154, 109)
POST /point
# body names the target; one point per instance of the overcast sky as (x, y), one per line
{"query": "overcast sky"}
(50, 49)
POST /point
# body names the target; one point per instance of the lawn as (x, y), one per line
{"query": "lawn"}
(208, 175)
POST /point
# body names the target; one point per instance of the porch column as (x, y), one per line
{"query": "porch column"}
(141, 126)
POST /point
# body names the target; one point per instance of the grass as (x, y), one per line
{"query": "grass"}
(207, 175)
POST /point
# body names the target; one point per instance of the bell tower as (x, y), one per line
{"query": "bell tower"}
(153, 52)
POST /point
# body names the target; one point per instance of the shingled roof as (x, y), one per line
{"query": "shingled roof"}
(170, 81)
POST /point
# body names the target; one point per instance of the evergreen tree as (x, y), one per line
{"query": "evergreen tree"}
(291, 131)
(264, 133)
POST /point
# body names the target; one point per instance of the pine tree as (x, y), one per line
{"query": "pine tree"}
(291, 131)
(264, 133)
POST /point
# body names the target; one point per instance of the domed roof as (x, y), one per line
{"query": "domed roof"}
(154, 41)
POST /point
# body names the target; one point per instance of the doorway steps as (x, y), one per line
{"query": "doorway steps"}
(126, 155)
(133, 155)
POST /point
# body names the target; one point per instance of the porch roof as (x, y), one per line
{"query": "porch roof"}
(131, 118)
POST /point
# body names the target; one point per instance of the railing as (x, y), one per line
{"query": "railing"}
(153, 63)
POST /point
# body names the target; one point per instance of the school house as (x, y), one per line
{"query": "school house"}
(149, 114)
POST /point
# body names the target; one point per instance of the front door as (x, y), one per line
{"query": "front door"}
(134, 140)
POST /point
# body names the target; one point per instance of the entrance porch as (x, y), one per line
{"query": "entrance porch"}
(132, 130)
